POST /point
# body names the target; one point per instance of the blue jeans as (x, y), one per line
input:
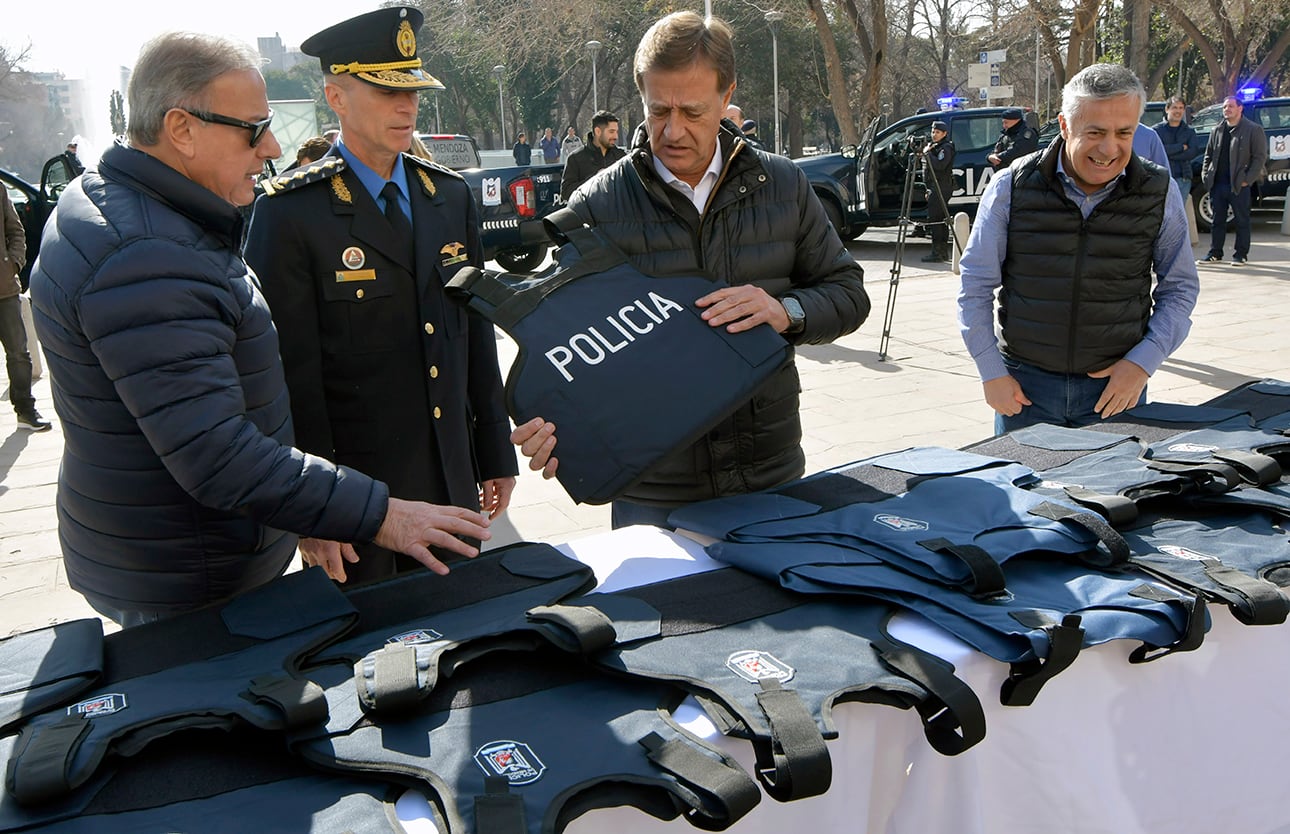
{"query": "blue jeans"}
(1059, 399)
(626, 513)
(13, 335)
(1184, 186)
(1223, 197)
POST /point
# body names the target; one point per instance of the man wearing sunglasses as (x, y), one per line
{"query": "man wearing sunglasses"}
(353, 251)
(179, 484)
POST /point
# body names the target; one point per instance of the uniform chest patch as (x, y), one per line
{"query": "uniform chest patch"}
(99, 706)
(353, 258)
(755, 666)
(512, 760)
(900, 523)
(420, 635)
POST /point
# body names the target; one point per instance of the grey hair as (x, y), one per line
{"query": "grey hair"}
(175, 70)
(1101, 81)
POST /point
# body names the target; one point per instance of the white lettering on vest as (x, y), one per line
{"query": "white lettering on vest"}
(593, 347)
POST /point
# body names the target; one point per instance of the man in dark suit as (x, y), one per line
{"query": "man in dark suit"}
(1234, 160)
(385, 373)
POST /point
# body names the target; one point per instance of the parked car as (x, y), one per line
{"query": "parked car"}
(35, 203)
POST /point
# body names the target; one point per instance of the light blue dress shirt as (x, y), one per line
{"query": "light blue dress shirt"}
(374, 182)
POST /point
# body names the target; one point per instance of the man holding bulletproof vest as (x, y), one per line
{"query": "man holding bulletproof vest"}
(692, 198)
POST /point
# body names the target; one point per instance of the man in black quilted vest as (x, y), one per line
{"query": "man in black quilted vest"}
(1070, 237)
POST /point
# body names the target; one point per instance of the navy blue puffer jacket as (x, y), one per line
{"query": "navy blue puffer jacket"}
(178, 473)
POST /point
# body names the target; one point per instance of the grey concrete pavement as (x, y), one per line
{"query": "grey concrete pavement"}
(853, 404)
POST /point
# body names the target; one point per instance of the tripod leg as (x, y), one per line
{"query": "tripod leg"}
(893, 284)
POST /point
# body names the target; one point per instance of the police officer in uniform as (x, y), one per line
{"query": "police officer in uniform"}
(385, 374)
(938, 174)
(1017, 139)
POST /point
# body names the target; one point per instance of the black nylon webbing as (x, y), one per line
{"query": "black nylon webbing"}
(302, 702)
(1117, 547)
(953, 719)
(593, 630)
(794, 764)
(497, 810)
(1256, 468)
(1264, 602)
(987, 575)
(1116, 509)
(733, 791)
(38, 770)
(1025, 679)
(1190, 641)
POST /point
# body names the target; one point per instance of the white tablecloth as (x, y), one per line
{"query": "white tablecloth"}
(1193, 742)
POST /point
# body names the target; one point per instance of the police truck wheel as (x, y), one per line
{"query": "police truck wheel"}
(1205, 213)
(524, 259)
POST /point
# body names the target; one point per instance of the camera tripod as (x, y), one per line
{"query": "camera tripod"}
(913, 166)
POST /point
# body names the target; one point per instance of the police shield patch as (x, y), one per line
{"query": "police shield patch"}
(513, 760)
(903, 525)
(99, 705)
(421, 635)
(1179, 552)
(755, 666)
(1191, 447)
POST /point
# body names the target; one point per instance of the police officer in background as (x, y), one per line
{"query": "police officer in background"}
(385, 374)
(938, 174)
(1017, 139)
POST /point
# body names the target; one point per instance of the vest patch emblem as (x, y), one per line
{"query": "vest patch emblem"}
(99, 705)
(420, 635)
(620, 329)
(754, 666)
(1057, 485)
(513, 760)
(902, 525)
(1179, 552)
(1192, 447)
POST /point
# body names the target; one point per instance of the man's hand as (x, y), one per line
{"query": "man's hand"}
(1125, 382)
(330, 556)
(993, 159)
(495, 495)
(411, 527)
(536, 440)
(1005, 396)
(743, 308)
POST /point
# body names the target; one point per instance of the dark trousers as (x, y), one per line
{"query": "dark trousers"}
(1223, 197)
(17, 360)
(936, 223)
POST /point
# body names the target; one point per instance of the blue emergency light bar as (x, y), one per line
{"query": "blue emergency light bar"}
(951, 102)
(1249, 94)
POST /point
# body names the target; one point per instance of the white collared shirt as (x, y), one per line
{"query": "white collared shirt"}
(698, 195)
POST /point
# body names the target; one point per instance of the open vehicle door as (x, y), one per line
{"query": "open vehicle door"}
(866, 171)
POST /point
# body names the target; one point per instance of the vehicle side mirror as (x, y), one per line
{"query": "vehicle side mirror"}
(849, 151)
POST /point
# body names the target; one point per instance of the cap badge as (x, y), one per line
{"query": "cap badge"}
(406, 40)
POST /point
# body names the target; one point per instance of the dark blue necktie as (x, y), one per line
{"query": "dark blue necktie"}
(393, 213)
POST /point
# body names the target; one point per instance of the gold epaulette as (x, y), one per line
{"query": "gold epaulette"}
(318, 171)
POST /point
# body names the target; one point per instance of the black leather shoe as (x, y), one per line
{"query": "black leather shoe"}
(1239, 260)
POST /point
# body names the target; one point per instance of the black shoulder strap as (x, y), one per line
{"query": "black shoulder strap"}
(1117, 509)
(497, 810)
(1117, 548)
(302, 701)
(1027, 677)
(1193, 636)
(793, 763)
(953, 719)
(38, 771)
(987, 576)
(1260, 602)
(734, 793)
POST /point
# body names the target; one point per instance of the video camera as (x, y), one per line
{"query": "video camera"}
(916, 143)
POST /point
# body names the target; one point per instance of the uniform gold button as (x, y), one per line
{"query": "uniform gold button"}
(358, 293)
(429, 329)
(434, 371)
(437, 412)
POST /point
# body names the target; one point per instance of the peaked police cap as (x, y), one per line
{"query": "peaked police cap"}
(379, 47)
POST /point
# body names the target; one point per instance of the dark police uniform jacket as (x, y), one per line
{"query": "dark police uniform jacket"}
(1014, 143)
(384, 372)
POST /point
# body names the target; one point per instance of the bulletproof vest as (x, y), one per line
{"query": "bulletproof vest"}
(769, 665)
(1251, 450)
(619, 361)
(519, 742)
(956, 526)
(46, 667)
(1049, 611)
(216, 667)
(213, 782)
(1241, 560)
(1267, 398)
(420, 627)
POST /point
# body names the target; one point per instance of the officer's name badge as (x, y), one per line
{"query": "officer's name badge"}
(453, 253)
(346, 275)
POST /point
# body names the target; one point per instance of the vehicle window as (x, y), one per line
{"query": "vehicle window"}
(1274, 116)
(1204, 120)
(970, 134)
(902, 133)
(16, 196)
(456, 152)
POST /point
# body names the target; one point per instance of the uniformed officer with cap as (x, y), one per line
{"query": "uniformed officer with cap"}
(1017, 140)
(385, 374)
(938, 175)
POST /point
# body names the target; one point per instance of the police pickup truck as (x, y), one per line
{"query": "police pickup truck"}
(863, 187)
(512, 201)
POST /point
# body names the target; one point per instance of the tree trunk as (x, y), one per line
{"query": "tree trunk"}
(839, 96)
(1138, 13)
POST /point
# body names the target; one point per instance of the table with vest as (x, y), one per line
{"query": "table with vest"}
(1074, 630)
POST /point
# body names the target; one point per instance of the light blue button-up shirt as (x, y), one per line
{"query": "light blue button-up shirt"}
(1174, 297)
(374, 182)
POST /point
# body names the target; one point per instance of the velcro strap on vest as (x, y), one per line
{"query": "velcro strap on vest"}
(1027, 677)
(1261, 602)
(733, 792)
(1117, 509)
(302, 701)
(793, 763)
(1254, 467)
(1193, 635)
(588, 627)
(395, 677)
(42, 759)
(987, 576)
(497, 810)
(1117, 548)
(953, 719)
(1210, 478)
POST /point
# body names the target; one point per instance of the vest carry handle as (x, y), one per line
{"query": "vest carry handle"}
(1257, 602)
(1210, 478)
(1190, 641)
(986, 574)
(794, 762)
(735, 794)
(395, 678)
(583, 629)
(1255, 468)
(1117, 509)
(1117, 548)
(497, 810)
(1026, 678)
(953, 718)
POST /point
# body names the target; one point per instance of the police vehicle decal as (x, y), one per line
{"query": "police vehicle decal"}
(420, 635)
(513, 760)
(755, 666)
(99, 705)
(901, 525)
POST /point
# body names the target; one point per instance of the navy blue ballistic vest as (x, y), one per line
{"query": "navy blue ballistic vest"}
(46, 667)
(524, 742)
(215, 782)
(957, 526)
(769, 665)
(417, 628)
(1261, 400)
(1253, 451)
(1049, 612)
(216, 667)
(1241, 560)
(618, 360)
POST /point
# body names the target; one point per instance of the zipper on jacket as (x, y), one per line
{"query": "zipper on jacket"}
(1075, 294)
(703, 217)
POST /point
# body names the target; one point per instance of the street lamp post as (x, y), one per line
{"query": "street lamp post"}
(500, 72)
(772, 20)
(594, 48)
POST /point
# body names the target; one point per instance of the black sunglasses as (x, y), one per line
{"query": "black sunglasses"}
(258, 129)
